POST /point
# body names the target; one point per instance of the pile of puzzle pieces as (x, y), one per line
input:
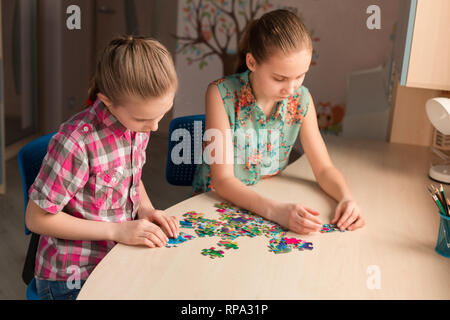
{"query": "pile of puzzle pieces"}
(235, 222)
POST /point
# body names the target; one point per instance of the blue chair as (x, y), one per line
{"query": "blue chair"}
(182, 174)
(30, 159)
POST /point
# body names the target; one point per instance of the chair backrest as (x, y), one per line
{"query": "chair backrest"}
(30, 160)
(181, 174)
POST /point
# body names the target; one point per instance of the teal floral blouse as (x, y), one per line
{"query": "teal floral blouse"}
(261, 146)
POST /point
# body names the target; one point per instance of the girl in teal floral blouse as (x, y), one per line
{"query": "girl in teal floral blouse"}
(262, 109)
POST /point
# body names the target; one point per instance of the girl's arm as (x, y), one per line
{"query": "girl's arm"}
(327, 176)
(65, 226)
(330, 179)
(293, 216)
(144, 200)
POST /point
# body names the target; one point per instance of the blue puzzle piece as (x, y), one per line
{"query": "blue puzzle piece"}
(182, 237)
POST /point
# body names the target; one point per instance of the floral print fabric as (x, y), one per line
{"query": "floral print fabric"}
(261, 145)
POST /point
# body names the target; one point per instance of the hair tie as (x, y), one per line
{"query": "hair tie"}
(89, 102)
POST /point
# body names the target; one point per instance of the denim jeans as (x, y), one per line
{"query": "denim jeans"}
(57, 290)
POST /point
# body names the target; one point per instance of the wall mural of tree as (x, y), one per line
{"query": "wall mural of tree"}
(214, 28)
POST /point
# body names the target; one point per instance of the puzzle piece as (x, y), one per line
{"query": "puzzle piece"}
(182, 237)
(213, 253)
(330, 228)
(186, 224)
(252, 231)
(285, 245)
(205, 231)
(228, 244)
(292, 240)
(228, 233)
(279, 246)
(303, 246)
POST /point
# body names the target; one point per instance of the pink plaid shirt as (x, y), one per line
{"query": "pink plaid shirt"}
(91, 171)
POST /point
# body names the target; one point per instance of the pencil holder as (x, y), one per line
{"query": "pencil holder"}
(443, 241)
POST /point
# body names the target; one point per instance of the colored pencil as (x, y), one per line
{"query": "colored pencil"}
(444, 200)
(438, 194)
(431, 190)
(438, 203)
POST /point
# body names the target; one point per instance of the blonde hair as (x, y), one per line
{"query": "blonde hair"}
(133, 66)
(278, 29)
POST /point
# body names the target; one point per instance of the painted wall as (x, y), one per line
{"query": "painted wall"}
(342, 42)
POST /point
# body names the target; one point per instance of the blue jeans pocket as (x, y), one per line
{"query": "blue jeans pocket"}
(44, 293)
(56, 290)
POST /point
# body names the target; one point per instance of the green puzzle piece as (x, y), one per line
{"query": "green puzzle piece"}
(228, 244)
(212, 253)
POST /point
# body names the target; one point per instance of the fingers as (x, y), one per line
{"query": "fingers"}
(170, 225)
(314, 212)
(359, 223)
(336, 218)
(300, 228)
(310, 221)
(155, 239)
(155, 234)
(160, 235)
(312, 225)
(313, 218)
(306, 231)
(174, 225)
(337, 215)
(147, 242)
(344, 213)
(164, 222)
(303, 225)
(303, 220)
(349, 216)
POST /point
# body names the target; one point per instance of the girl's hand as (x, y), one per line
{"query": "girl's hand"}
(139, 232)
(348, 215)
(170, 225)
(298, 218)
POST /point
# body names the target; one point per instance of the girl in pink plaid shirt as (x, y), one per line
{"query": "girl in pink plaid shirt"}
(88, 195)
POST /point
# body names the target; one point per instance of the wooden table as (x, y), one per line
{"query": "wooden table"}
(392, 257)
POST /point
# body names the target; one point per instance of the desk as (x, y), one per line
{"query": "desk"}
(392, 257)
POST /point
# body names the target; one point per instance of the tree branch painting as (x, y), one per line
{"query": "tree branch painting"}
(214, 28)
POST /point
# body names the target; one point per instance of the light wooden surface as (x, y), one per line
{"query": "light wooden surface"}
(422, 57)
(388, 181)
(429, 65)
(409, 120)
(410, 123)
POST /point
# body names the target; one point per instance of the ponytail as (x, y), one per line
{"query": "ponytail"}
(92, 93)
(243, 48)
